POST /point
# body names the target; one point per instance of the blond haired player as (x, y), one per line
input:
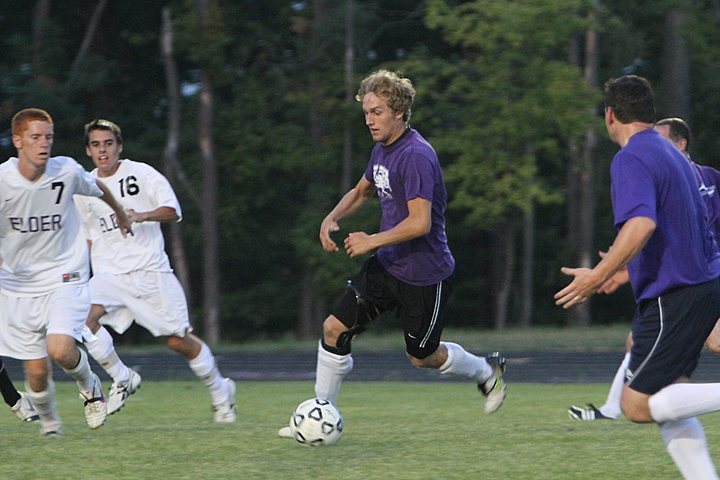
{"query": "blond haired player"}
(136, 282)
(44, 296)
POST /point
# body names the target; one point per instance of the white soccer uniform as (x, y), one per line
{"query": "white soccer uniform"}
(132, 278)
(45, 271)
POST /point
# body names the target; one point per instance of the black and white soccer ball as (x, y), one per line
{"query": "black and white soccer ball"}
(316, 422)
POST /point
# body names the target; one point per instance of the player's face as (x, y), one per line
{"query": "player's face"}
(664, 130)
(384, 124)
(34, 144)
(104, 150)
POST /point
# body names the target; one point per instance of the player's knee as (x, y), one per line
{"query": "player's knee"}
(332, 329)
(636, 412)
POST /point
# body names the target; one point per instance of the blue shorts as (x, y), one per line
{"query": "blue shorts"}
(668, 335)
(420, 309)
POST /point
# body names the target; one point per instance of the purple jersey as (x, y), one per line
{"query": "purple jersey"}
(708, 180)
(651, 178)
(403, 171)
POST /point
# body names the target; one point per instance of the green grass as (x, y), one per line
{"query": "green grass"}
(412, 431)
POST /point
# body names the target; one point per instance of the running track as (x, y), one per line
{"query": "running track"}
(522, 367)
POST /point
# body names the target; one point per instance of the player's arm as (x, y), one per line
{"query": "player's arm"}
(120, 216)
(160, 214)
(631, 238)
(416, 224)
(348, 204)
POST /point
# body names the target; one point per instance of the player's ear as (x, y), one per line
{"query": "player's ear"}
(120, 147)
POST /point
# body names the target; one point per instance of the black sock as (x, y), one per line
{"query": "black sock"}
(7, 389)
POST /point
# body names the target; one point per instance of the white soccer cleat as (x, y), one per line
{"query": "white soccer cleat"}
(51, 428)
(285, 432)
(225, 412)
(24, 409)
(95, 406)
(120, 391)
(494, 387)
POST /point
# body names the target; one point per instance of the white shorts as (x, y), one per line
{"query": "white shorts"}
(155, 300)
(25, 322)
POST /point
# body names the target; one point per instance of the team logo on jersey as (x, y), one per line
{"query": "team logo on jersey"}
(381, 177)
(71, 277)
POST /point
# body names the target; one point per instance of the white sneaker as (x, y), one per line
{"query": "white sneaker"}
(51, 428)
(119, 392)
(494, 387)
(225, 412)
(285, 432)
(24, 409)
(95, 406)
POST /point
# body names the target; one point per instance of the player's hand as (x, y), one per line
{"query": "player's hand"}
(123, 223)
(583, 286)
(326, 229)
(358, 243)
(134, 216)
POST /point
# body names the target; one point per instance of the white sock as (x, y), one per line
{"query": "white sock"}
(206, 370)
(101, 348)
(684, 400)
(44, 402)
(612, 404)
(460, 362)
(330, 371)
(82, 374)
(686, 444)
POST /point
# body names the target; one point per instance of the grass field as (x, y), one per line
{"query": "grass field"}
(412, 431)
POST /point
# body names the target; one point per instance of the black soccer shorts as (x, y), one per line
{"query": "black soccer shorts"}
(420, 308)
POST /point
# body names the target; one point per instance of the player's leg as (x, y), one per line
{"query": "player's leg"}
(203, 364)
(19, 403)
(101, 347)
(67, 311)
(23, 323)
(713, 340)
(685, 442)
(41, 390)
(334, 362)
(610, 410)
(668, 336)
(110, 294)
(421, 311)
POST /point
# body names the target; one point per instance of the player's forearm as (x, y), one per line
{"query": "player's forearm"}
(110, 199)
(348, 204)
(160, 214)
(404, 231)
(632, 237)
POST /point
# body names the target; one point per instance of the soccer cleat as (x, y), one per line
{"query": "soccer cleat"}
(225, 412)
(587, 413)
(494, 387)
(95, 406)
(285, 432)
(51, 428)
(24, 409)
(120, 391)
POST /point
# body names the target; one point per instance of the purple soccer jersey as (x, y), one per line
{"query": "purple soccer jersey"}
(651, 178)
(405, 170)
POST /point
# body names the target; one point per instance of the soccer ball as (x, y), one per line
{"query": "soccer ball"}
(316, 422)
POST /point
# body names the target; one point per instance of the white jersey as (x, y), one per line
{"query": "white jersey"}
(136, 186)
(41, 241)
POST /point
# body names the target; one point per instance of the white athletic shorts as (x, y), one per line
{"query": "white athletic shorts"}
(25, 322)
(155, 300)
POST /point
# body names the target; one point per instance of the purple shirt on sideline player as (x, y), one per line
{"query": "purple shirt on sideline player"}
(646, 174)
(708, 180)
(408, 169)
